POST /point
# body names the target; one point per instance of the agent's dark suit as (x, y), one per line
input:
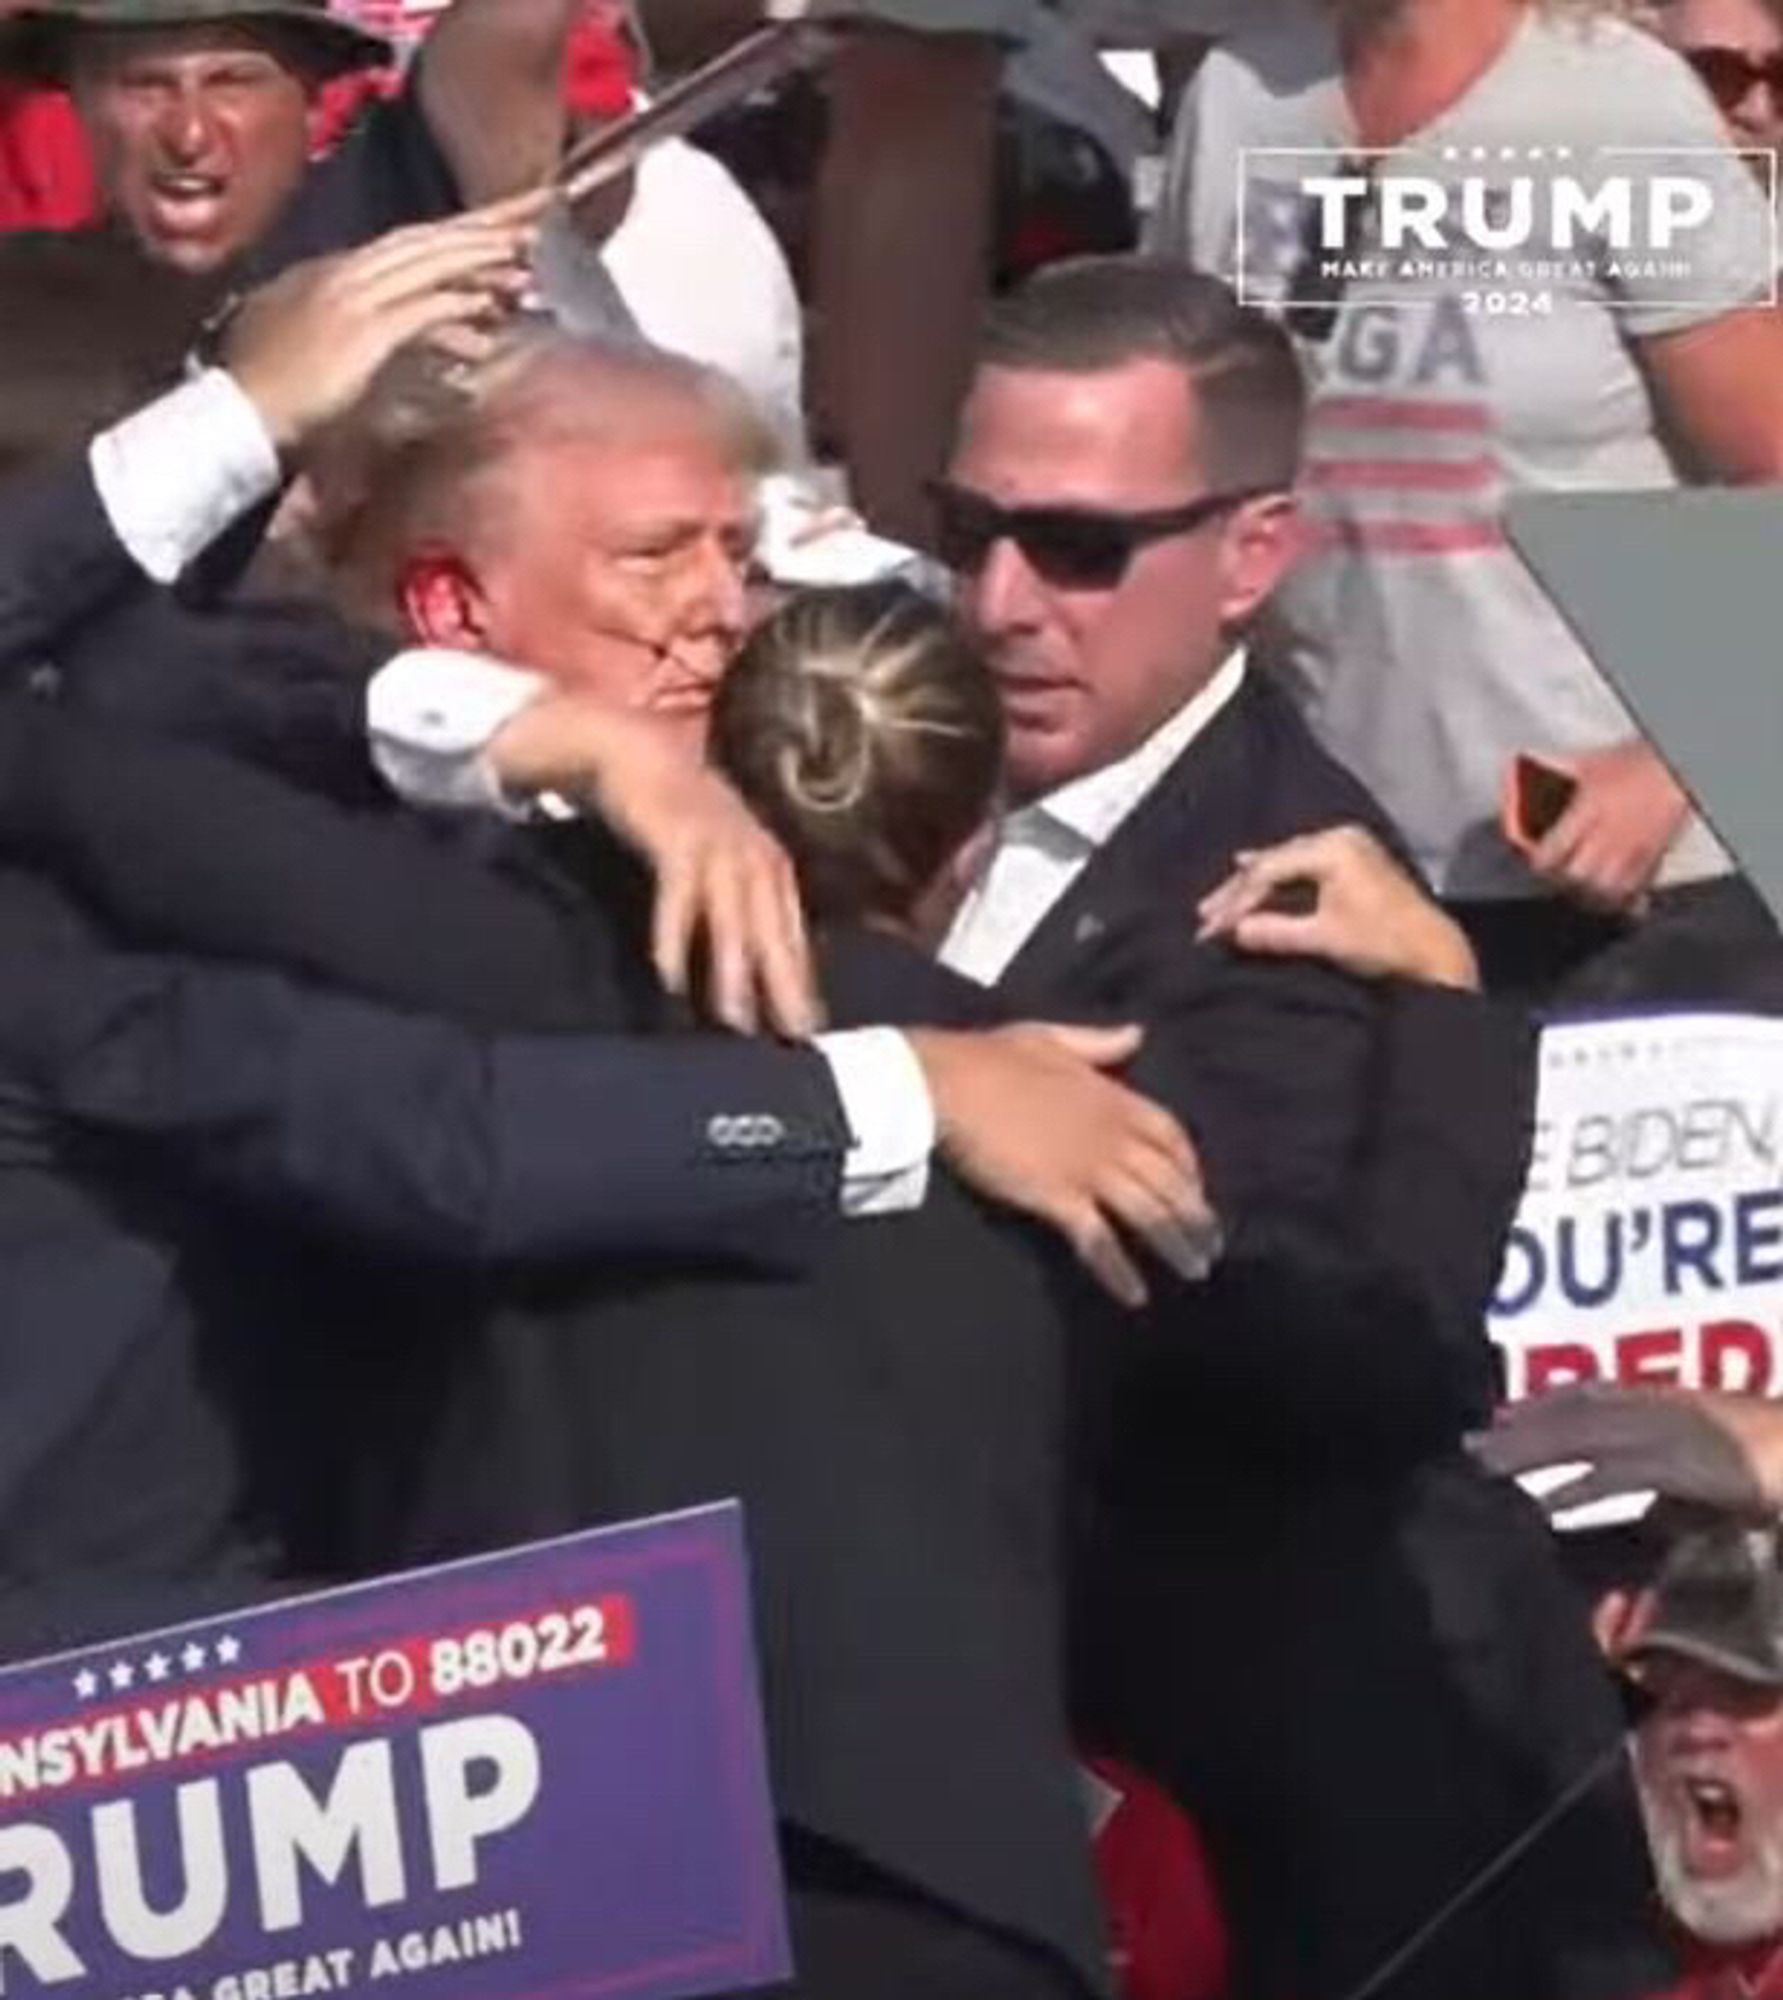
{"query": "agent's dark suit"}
(915, 1670)
(127, 1493)
(931, 1427)
(1275, 1065)
(281, 685)
(1298, 1333)
(1277, 1135)
(892, 1417)
(1349, 1651)
(1337, 1319)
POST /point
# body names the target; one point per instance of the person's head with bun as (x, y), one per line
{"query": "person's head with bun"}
(864, 729)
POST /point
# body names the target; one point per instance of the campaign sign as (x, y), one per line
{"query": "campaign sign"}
(537, 1773)
(1649, 1243)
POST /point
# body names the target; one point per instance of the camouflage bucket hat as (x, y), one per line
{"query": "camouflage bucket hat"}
(37, 41)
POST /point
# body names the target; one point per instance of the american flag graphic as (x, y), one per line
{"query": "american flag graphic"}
(1402, 475)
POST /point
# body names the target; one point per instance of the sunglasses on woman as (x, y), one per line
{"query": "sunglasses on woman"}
(1071, 548)
(1730, 74)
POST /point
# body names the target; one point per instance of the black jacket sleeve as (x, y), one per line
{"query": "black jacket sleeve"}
(412, 1136)
(1451, 1135)
(1365, 1147)
(60, 562)
(281, 685)
(173, 846)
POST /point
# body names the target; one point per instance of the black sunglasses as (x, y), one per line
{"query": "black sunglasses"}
(1730, 74)
(1072, 548)
(1315, 289)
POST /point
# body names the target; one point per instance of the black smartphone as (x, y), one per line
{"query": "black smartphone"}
(1539, 796)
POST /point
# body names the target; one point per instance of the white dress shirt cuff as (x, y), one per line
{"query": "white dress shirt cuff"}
(180, 471)
(431, 714)
(891, 1119)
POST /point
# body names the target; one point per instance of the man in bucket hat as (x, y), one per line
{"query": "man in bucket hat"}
(199, 113)
(1706, 1649)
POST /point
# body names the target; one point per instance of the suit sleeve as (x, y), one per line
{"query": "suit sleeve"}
(1451, 1137)
(413, 1137)
(281, 686)
(175, 847)
(61, 562)
(1365, 1204)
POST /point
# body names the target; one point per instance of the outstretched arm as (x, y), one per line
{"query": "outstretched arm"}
(413, 1135)
(176, 848)
(903, 248)
(491, 83)
(155, 491)
(1703, 1447)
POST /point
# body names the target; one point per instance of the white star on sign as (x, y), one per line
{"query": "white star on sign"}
(193, 1657)
(228, 1651)
(122, 1675)
(86, 1684)
(157, 1666)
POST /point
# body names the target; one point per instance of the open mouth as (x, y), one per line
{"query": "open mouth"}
(1715, 1825)
(187, 202)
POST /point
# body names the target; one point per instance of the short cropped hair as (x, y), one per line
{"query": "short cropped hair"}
(1090, 314)
(422, 460)
(863, 727)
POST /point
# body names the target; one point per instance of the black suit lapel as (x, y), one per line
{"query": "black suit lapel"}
(1177, 843)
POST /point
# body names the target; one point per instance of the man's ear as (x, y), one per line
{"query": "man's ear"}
(1260, 544)
(441, 602)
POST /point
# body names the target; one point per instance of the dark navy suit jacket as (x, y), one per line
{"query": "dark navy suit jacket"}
(311, 1106)
(1352, 1652)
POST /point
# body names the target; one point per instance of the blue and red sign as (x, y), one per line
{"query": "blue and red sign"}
(533, 1774)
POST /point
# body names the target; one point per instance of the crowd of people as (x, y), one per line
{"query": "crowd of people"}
(831, 827)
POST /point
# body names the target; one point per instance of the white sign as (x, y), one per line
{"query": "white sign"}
(1629, 225)
(1649, 1244)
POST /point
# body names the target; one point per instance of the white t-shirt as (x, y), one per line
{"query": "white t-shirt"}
(702, 274)
(1426, 654)
(698, 272)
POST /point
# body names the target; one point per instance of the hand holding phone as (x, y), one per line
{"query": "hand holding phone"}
(1537, 793)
